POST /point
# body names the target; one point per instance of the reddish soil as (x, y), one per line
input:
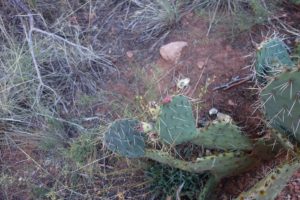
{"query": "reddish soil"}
(213, 59)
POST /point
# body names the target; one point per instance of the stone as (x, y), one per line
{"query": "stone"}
(129, 54)
(200, 64)
(231, 103)
(171, 52)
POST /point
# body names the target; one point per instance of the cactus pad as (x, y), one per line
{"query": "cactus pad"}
(222, 135)
(271, 55)
(220, 165)
(125, 138)
(176, 123)
(281, 101)
(269, 187)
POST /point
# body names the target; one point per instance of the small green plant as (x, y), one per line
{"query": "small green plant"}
(154, 18)
(82, 149)
(39, 192)
(167, 181)
(239, 15)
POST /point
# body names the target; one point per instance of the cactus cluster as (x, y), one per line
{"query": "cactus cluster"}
(280, 95)
(175, 124)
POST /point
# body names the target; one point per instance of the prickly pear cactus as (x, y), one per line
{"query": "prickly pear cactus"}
(271, 185)
(271, 55)
(124, 137)
(281, 101)
(176, 123)
(222, 135)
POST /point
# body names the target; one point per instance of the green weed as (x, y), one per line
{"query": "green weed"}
(167, 181)
(83, 149)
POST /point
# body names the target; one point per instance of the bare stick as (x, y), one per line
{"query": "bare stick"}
(35, 63)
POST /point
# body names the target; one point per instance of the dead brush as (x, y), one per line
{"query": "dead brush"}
(41, 76)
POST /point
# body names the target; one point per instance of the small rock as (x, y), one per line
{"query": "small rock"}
(190, 15)
(200, 64)
(129, 54)
(169, 198)
(172, 51)
(231, 103)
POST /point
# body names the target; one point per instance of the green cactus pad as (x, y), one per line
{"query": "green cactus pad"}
(124, 138)
(220, 165)
(269, 187)
(271, 55)
(222, 135)
(281, 101)
(176, 123)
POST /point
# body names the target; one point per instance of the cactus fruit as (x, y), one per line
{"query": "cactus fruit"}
(222, 135)
(125, 138)
(281, 101)
(271, 55)
(176, 123)
(269, 187)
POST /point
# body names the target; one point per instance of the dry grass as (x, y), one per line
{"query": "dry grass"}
(56, 60)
